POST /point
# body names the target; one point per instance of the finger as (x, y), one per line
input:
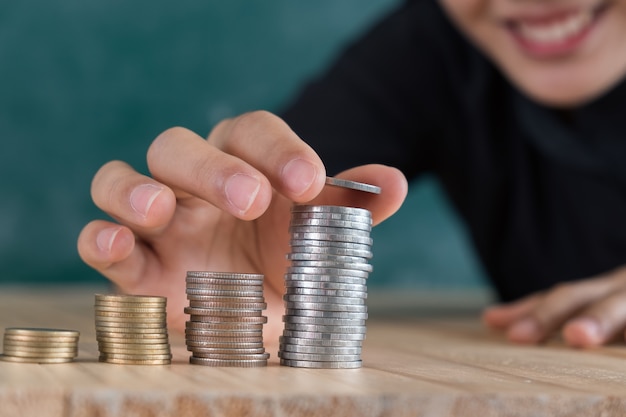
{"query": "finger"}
(266, 142)
(185, 161)
(558, 304)
(111, 249)
(504, 315)
(599, 323)
(391, 181)
(134, 199)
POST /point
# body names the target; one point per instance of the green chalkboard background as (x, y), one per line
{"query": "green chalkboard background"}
(86, 81)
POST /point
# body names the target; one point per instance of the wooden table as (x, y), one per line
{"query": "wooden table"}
(435, 366)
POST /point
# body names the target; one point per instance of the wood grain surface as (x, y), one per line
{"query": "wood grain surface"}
(430, 366)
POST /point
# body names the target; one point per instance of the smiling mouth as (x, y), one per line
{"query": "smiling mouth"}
(556, 34)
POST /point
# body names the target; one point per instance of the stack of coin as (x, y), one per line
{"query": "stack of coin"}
(225, 327)
(132, 329)
(28, 345)
(324, 321)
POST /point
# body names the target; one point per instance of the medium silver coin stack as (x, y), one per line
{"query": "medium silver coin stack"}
(225, 326)
(132, 329)
(325, 311)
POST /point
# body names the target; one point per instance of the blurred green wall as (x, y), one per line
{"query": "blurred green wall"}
(85, 81)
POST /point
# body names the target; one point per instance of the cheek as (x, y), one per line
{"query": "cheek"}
(473, 18)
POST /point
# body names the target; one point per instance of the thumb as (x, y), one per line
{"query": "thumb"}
(391, 181)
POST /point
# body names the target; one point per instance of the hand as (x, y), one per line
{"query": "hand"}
(589, 313)
(220, 204)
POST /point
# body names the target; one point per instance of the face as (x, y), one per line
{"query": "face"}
(559, 52)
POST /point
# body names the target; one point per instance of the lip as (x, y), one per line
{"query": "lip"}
(538, 48)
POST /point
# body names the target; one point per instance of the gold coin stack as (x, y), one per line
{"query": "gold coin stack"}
(132, 329)
(225, 326)
(31, 345)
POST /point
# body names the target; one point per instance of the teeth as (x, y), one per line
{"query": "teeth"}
(555, 31)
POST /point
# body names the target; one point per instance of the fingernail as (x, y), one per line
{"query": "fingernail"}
(298, 175)
(241, 190)
(105, 238)
(524, 331)
(589, 326)
(142, 197)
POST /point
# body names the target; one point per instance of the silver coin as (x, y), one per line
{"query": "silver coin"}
(214, 312)
(332, 216)
(331, 264)
(325, 329)
(311, 270)
(232, 356)
(320, 321)
(226, 300)
(223, 293)
(228, 363)
(223, 281)
(331, 223)
(318, 357)
(312, 243)
(292, 312)
(323, 336)
(349, 308)
(224, 275)
(332, 251)
(349, 234)
(325, 285)
(321, 350)
(326, 292)
(218, 339)
(322, 279)
(307, 256)
(362, 240)
(321, 365)
(354, 185)
(355, 211)
(320, 299)
(233, 327)
(298, 341)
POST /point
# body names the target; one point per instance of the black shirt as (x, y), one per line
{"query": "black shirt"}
(542, 191)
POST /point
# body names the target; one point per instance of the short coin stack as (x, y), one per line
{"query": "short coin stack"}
(324, 321)
(132, 329)
(31, 345)
(225, 327)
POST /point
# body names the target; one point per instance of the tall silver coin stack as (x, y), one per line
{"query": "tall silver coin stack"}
(225, 326)
(325, 311)
(33, 345)
(132, 329)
